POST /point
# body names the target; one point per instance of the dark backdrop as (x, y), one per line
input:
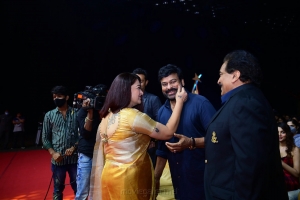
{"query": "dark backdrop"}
(80, 43)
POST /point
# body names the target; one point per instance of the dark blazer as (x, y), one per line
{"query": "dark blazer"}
(242, 150)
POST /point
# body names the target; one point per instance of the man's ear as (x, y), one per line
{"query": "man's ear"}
(146, 82)
(67, 97)
(236, 75)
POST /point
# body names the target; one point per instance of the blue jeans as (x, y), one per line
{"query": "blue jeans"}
(84, 168)
(59, 177)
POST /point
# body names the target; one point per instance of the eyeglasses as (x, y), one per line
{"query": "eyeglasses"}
(171, 82)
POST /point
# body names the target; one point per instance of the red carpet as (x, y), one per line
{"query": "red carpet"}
(26, 175)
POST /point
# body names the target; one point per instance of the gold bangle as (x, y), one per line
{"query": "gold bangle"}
(88, 119)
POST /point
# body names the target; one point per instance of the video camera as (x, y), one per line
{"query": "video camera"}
(96, 95)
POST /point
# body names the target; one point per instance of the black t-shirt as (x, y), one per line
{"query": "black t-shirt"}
(87, 139)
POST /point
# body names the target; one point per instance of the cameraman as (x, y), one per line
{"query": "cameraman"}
(88, 122)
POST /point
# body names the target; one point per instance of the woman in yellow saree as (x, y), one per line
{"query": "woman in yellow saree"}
(122, 168)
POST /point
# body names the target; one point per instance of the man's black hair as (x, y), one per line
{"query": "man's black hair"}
(60, 90)
(141, 71)
(168, 70)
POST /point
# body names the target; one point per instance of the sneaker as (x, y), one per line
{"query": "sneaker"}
(22, 147)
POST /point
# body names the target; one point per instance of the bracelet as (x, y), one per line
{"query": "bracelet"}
(193, 145)
(88, 119)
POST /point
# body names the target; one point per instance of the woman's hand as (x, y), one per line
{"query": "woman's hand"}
(181, 95)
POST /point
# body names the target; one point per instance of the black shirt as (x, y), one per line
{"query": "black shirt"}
(87, 139)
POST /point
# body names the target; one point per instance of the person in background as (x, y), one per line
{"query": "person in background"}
(280, 119)
(60, 138)
(290, 159)
(242, 156)
(294, 126)
(18, 131)
(40, 128)
(5, 128)
(151, 105)
(297, 118)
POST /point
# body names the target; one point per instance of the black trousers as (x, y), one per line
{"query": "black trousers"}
(4, 134)
(18, 138)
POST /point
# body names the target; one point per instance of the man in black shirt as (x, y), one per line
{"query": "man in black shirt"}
(88, 122)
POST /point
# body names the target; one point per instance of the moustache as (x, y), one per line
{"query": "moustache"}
(170, 90)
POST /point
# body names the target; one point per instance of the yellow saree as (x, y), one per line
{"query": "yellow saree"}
(166, 190)
(122, 168)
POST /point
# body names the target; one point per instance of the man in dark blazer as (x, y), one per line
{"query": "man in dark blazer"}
(242, 146)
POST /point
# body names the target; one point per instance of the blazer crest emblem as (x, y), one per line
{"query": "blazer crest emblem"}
(214, 138)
